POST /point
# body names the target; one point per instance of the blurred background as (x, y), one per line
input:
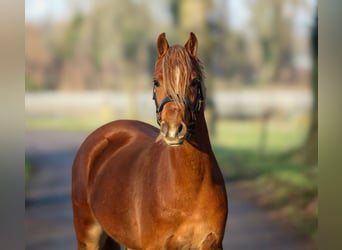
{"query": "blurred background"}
(89, 62)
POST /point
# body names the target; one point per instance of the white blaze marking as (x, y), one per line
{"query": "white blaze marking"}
(177, 73)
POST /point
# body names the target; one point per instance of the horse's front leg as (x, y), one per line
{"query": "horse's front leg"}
(110, 244)
(212, 242)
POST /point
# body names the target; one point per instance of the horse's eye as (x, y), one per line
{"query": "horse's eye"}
(194, 83)
(156, 83)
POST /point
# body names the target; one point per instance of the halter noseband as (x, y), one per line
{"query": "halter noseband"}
(192, 107)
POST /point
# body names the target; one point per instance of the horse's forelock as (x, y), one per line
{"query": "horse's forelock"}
(177, 67)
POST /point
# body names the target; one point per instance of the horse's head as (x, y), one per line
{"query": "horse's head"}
(178, 89)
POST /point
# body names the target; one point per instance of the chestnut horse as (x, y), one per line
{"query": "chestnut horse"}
(145, 188)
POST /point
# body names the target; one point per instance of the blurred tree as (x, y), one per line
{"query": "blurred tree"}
(119, 48)
(71, 37)
(311, 143)
(64, 50)
(174, 9)
(273, 21)
(308, 151)
(89, 53)
(37, 59)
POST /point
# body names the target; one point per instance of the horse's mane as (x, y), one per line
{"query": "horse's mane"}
(177, 83)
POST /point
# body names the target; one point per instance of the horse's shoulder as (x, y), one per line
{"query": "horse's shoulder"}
(112, 136)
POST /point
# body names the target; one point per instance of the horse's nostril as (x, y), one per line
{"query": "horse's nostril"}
(180, 128)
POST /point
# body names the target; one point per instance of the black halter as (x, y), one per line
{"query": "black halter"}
(193, 107)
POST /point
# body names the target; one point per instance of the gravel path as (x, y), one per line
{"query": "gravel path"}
(48, 222)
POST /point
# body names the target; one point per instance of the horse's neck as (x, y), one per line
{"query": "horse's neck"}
(195, 158)
(200, 136)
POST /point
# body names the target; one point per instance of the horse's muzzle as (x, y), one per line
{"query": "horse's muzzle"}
(174, 133)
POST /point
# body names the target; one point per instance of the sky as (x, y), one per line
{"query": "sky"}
(237, 14)
(40, 10)
(57, 10)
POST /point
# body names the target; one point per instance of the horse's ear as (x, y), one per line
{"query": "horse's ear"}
(191, 45)
(162, 44)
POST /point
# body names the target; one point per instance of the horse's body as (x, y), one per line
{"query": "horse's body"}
(148, 191)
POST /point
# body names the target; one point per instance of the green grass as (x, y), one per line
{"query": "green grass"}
(28, 169)
(285, 185)
(242, 155)
(280, 135)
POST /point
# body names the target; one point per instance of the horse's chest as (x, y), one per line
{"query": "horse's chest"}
(200, 228)
(177, 227)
